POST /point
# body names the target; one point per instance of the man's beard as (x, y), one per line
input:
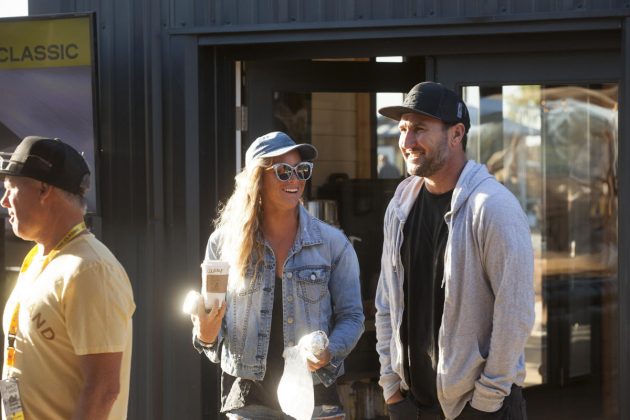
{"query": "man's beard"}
(432, 163)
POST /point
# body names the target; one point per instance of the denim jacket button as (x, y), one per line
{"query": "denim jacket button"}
(290, 298)
(290, 320)
(313, 276)
(289, 275)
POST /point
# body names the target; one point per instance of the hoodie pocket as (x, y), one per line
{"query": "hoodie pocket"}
(461, 365)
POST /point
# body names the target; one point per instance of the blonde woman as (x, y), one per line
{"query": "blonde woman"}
(291, 274)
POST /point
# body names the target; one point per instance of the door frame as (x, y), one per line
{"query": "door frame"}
(263, 78)
(221, 51)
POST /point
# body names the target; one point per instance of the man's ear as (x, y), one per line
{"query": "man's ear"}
(44, 190)
(457, 134)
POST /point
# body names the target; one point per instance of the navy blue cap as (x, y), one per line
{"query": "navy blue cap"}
(275, 144)
(434, 100)
(48, 160)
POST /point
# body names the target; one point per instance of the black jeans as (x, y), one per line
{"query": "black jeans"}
(514, 408)
(405, 409)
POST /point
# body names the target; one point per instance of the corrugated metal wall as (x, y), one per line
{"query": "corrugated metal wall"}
(226, 13)
(149, 189)
(157, 198)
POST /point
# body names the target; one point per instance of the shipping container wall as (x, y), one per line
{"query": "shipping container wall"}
(148, 149)
(163, 130)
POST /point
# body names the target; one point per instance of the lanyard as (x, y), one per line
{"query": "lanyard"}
(13, 326)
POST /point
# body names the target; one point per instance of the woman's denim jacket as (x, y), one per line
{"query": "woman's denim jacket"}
(321, 291)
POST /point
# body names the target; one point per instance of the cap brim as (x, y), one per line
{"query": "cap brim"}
(396, 112)
(8, 168)
(307, 151)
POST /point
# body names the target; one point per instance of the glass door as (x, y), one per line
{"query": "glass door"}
(550, 136)
(332, 104)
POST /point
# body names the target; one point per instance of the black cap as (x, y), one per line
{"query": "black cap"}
(434, 100)
(48, 160)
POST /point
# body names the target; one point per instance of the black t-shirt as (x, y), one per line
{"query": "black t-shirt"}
(425, 234)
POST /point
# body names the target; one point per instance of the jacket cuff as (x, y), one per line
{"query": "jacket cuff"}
(329, 373)
(211, 351)
(390, 387)
(489, 405)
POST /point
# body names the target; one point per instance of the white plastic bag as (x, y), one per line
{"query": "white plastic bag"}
(295, 391)
(313, 344)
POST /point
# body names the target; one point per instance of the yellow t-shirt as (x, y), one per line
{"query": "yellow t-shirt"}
(81, 303)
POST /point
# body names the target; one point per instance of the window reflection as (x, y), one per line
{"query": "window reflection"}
(555, 148)
(389, 161)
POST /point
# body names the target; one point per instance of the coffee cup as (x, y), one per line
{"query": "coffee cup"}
(214, 281)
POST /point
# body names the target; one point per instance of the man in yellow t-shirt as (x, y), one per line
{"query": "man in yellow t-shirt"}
(67, 323)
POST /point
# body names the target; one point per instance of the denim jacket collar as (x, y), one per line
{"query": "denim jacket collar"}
(309, 232)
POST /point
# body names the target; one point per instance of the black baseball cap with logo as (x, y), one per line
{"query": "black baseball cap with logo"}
(48, 160)
(434, 100)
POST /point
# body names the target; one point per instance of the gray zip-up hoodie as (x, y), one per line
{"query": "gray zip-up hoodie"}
(489, 293)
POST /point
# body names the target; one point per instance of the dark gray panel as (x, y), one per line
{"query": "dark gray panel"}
(311, 11)
(404, 30)
(39, 7)
(479, 8)
(202, 12)
(428, 8)
(234, 13)
(180, 364)
(624, 230)
(345, 10)
(282, 12)
(449, 8)
(544, 68)
(382, 9)
(562, 42)
(521, 6)
(297, 11)
(265, 11)
(228, 13)
(247, 12)
(598, 4)
(183, 14)
(401, 9)
(545, 6)
(363, 9)
(329, 11)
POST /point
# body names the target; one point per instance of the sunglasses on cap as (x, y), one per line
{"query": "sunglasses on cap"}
(284, 171)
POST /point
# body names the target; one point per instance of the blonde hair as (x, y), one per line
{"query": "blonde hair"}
(240, 219)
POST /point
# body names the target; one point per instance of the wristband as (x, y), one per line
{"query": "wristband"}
(204, 345)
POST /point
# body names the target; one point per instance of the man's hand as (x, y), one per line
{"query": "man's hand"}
(207, 324)
(320, 360)
(396, 397)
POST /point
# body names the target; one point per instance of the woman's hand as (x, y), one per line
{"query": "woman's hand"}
(320, 360)
(207, 324)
